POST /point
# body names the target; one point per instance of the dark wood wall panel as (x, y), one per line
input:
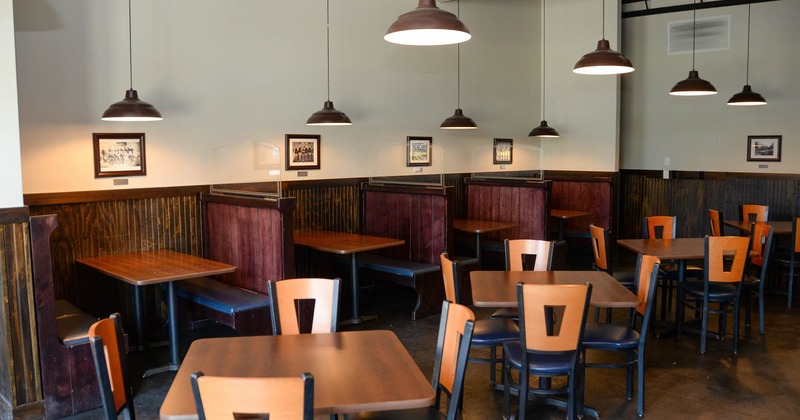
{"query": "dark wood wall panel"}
(19, 374)
(589, 196)
(689, 198)
(525, 204)
(334, 207)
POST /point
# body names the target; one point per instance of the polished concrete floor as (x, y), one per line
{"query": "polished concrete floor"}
(681, 383)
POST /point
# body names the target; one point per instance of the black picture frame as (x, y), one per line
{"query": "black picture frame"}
(119, 154)
(303, 151)
(503, 151)
(418, 151)
(764, 148)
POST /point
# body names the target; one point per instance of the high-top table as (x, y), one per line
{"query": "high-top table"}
(496, 289)
(478, 227)
(346, 243)
(154, 267)
(353, 371)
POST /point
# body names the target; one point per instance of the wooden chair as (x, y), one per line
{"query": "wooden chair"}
(603, 262)
(488, 333)
(106, 340)
(715, 220)
(449, 367)
(754, 213)
(611, 337)
(722, 284)
(218, 397)
(541, 351)
(288, 299)
(790, 259)
(753, 284)
(520, 251)
(665, 227)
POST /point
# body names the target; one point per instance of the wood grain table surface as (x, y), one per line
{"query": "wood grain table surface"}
(343, 243)
(781, 227)
(481, 226)
(353, 371)
(499, 288)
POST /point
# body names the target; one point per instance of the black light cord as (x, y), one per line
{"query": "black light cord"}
(458, 62)
(130, 46)
(544, 51)
(747, 77)
(328, 37)
(694, 32)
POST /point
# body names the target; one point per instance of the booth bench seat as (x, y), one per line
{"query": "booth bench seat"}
(72, 324)
(424, 278)
(243, 310)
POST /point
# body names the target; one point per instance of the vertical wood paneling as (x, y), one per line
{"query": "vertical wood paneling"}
(523, 204)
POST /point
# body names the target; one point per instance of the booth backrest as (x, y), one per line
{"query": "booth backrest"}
(524, 203)
(591, 195)
(423, 217)
(255, 235)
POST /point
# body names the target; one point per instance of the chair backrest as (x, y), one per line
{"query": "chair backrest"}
(754, 213)
(287, 296)
(715, 222)
(105, 337)
(659, 227)
(219, 397)
(452, 352)
(718, 251)
(796, 235)
(602, 258)
(450, 277)
(646, 275)
(519, 250)
(539, 304)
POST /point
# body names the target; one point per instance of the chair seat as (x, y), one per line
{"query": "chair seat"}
(493, 332)
(609, 337)
(505, 313)
(538, 364)
(716, 291)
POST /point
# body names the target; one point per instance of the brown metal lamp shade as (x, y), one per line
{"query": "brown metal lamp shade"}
(131, 109)
(328, 115)
(747, 98)
(603, 60)
(427, 25)
(693, 86)
(458, 121)
(543, 130)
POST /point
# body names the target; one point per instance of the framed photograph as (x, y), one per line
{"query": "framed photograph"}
(503, 151)
(418, 151)
(302, 151)
(764, 148)
(118, 154)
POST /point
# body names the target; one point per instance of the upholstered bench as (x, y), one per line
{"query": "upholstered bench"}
(424, 278)
(72, 324)
(243, 310)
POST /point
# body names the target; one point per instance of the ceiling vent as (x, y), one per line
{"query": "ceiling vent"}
(712, 34)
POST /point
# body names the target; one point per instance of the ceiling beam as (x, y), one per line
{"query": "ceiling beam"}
(650, 10)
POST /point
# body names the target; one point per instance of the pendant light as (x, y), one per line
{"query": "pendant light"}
(747, 97)
(543, 130)
(458, 121)
(427, 25)
(131, 108)
(603, 60)
(693, 85)
(328, 115)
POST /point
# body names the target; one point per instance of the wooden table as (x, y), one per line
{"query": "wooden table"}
(353, 370)
(564, 215)
(154, 267)
(479, 227)
(346, 243)
(780, 227)
(497, 289)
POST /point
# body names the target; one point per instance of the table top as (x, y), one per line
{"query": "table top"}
(667, 249)
(499, 288)
(343, 243)
(353, 370)
(780, 227)
(569, 214)
(152, 267)
(481, 226)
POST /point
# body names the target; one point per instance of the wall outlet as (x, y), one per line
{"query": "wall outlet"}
(666, 174)
(666, 161)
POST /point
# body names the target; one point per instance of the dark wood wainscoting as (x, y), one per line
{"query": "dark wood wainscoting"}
(688, 195)
(19, 373)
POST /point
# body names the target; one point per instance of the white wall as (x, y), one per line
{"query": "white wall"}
(703, 133)
(10, 173)
(253, 70)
